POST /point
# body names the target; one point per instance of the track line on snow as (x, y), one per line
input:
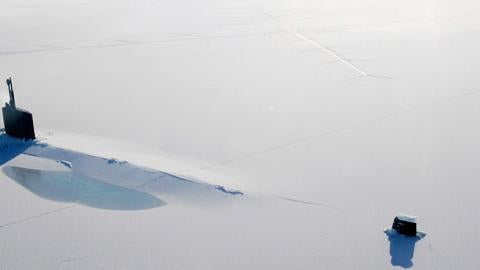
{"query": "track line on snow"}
(315, 44)
(38, 216)
(48, 48)
(325, 50)
(76, 259)
(313, 203)
(331, 132)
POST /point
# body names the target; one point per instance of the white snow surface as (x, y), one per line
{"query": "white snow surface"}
(408, 218)
(329, 117)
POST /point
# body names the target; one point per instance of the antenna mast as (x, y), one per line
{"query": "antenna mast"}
(10, 91)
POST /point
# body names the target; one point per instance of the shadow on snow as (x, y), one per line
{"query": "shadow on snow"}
(10, 147)
(68, 186)
(402, 249)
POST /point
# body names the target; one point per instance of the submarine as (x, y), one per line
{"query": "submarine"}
(18, 123)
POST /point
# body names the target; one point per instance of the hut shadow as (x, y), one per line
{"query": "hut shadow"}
(68, 186)
(402, 249)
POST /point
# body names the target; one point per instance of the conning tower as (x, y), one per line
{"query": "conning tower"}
(18, 122)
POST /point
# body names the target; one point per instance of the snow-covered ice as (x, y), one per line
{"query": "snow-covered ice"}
(241, 134)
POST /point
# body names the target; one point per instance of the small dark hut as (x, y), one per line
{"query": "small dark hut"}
(405, 225)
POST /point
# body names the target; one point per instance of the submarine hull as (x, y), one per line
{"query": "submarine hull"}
(18, 123)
